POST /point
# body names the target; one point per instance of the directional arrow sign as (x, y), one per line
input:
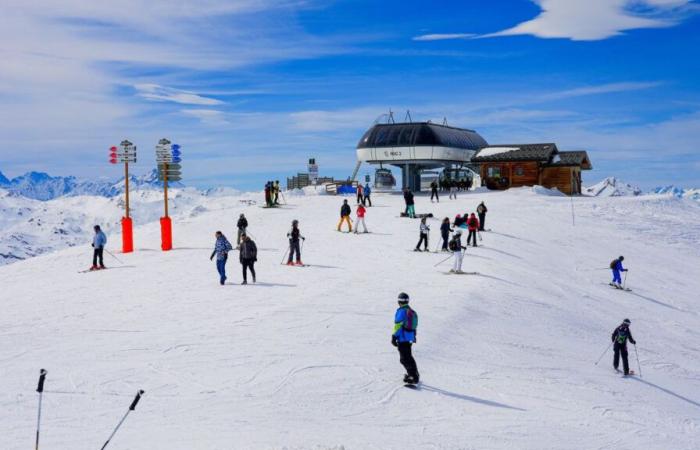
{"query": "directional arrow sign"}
(170, 166)
(173, 179)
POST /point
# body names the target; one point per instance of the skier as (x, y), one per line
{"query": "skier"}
(620, 337)
(345, 212)
(424, 230)
(99, 241)
(247, 256)
(360, 219)
(241, 225)
(481, 210)
(360, 196)
(473, 224)
(221, 249)
(404, 336)
(456, 248)
(445, 231)
(434, 192)
(268, 198)
(294, 235)
(453, 189)
(367, 191)
(616, 266)
(276, 190)
(410, 203)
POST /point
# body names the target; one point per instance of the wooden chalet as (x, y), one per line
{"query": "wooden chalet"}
(506, 166)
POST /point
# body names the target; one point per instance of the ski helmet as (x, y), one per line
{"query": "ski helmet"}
(295, 222)
(403, 298)
(627, 322)
(621, 258)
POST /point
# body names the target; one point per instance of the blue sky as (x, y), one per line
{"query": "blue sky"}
(251, 89)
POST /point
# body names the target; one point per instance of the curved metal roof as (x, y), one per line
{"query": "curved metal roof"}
(420, 134)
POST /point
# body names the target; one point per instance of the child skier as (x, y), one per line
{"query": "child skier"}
(99, 241)
(456, 248)
(473, 224)
(221, 249)
(294, 235)
(445, 231)
(620, 337)
(424, 230)
(360, 219)
(345, 212)
(616, 267)
(404, 336)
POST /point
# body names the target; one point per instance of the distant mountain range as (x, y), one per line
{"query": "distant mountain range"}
(42, 186)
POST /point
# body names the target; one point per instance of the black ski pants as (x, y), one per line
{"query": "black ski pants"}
(407, 361)
(482, 221)
(367, 199)
(472, 234)
(248, 264)
(621, 350)
(445, 238)
(434, 193)
(97, 254)
(294, 247)
(423, 239)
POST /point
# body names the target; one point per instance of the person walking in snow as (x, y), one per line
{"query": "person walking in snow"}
(221, 248)
(434, 191)
(345, 212)
(424, 231)
(360, 219)
(276, 190)
(367, 192)
(294, 235)
(616, 267)
(473, 225)
(247, 256)
(456, 248)
(410, 203)
(620, 337)
(360, 195)
(481, 210)
(445, 231)
(241, 225)
(99, 240)
(404, 336)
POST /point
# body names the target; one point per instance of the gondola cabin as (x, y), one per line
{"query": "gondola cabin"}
(506, 166)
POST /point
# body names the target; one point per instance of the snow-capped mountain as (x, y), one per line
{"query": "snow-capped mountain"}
(611, 187)
(693, 194)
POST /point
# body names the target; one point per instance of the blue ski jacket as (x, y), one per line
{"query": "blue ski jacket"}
(401, 334)
(618, 267)
(221, 248)
(100, 240)
(367, 190)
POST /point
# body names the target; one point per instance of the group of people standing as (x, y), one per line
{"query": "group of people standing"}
(346, 211)
(248, 252)
(364, 194)
(272, 193)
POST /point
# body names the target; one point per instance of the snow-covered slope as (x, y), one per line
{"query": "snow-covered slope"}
(302, 359)
(611, 187)
(693, 194)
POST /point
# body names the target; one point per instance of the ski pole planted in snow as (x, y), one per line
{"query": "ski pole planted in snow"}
(624, 283)
(40, 390)
(285, 255)
(639, 366)
(606, 351)
(112, 255)
(435, 265)
(131, 408)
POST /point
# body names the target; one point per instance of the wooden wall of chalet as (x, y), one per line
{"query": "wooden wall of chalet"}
(566, 179)
(530, 173)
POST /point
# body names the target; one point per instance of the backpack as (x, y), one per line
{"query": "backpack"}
(613, 264)
(410, 323)
(454, 245)
(622, 335)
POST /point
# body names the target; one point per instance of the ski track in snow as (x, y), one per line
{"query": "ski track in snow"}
(303, 358)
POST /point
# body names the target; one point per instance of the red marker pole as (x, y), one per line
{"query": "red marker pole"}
(127, 224)
(166, 226)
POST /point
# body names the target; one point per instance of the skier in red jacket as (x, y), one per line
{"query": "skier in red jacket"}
(473, 225)
(360, 211)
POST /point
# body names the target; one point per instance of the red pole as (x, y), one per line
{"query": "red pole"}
(127, 225)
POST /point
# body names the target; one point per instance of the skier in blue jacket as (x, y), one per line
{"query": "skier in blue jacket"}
(367, 192)
(616, 266)
(404, 336)
(221, 249)
(98, 243)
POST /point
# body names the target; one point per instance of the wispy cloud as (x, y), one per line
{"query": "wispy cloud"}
(165, 94)
(608, 88)
(210, 116)
(443, 37)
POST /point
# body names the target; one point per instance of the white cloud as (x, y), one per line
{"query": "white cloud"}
(156, 92)
(443, 37)
(601, 89)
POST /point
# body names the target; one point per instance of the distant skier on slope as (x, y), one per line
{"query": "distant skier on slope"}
(367, 192)
(247, 256)
(360, 219)
(620, 337)
(345, 212)
(424, 231)
(276, 190)
(616, 267)
(221, 248)
(294, 235)
(434, 191)
(481, 210)
(268, 194)
(473, 224)
(241, 225)
(404, 336)
(360, 195)
(99, 240)
(445, 231)
(456, 248)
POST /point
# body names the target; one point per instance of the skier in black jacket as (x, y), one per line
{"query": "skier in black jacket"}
(620, 337)
(248, 255)
(445, 231)
(294, 235)
(242, 225)
(345, 212)
(482, 210)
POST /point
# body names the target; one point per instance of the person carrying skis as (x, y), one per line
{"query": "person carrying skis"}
(616, 267)
(294, 235)
(247, 256)
(620, 337)
(424, 231)
(360, 195)
(481, 210)
(241, 225)
(360, 219)
(456, 248)
(434, 191)
(367, 192)
(445, 231)
(345, 212)
(404, 336)
(99, 240)
(473, 225)
(221, 248)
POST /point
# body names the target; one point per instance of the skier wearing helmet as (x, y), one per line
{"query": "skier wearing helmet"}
(616, 267)
(620, 337)
(404, 336)
(294, 235)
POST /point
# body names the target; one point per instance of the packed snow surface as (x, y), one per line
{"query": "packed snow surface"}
(303, 359)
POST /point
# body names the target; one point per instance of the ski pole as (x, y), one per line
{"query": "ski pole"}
(131, 408)
(40, 390)
(624, 283)
(112, 255)
(479, 233)
(639, 366)
(443, 261)
(606, 351)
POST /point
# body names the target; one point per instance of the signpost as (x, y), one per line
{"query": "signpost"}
(168, 158)
(125, 153)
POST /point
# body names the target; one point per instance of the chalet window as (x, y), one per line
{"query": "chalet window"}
(519, 171)
(494, 172)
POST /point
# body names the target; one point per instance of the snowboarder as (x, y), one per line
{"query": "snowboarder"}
(360, 196)
(616, 267)
(247, 256)
(481, 210)
(221, 249)
(424, 230)
(410, 203)
(456, 248)
(99, 240)
(367, 191)
(445, 231)
(360, 219)
(404, 336)
(473, 224)
(294, 235)
(434, 192)
(345, 212)
(241, 225)
(620, 337)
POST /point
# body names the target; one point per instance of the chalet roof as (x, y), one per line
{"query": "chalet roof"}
(516, 152)
(577, 158)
